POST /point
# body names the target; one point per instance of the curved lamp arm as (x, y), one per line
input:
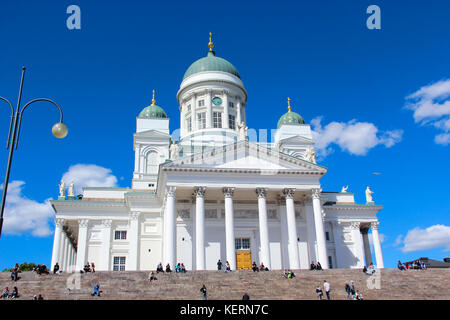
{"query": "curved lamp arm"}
(26, 105)
(11, 122)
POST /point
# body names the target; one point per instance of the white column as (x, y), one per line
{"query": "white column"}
(57, 242)
(208, 105)
(284, 234)
(225, 110)
(106, 245)
(366, 245)
(70, 269)
(194, 112)
(65, 252)
(320, 232)
(229, 227)
(377, 244)
(200, 227)
(357, 243)
(170, 234)
(337, 237)
(292, 229)
(183, 112)
(238, 112)
(82, 243)
(134, 241)
(263, 227)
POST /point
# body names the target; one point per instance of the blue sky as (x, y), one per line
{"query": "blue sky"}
(321, 54)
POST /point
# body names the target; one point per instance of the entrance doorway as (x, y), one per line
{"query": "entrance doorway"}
(243, 254)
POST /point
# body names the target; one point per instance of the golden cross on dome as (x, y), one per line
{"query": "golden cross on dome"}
(289, 104)
(153, 99)
(210, 44)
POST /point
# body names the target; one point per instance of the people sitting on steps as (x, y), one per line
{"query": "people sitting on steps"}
(152, 276)
(371, 270)
(227, 266)
(14, 293)
(168, 268)
(262, 267)
(96, 290)
(288, 274)
(313, 266)
(159, 268)
(254, 267)
(55, 268)
(182, 268)
(5, 293)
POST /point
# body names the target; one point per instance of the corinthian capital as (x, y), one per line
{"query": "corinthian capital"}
(355, 225)
(83, 223)
(107, 223)
(316, 193)
(289, 193)
(199, 191)
(228, 192)
(262, 192)
(374, 225)
(171, 191)
(134, 215)
(59, 222)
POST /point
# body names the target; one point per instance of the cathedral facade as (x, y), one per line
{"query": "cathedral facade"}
(213, 194)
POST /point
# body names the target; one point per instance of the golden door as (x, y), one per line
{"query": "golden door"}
(243, 260)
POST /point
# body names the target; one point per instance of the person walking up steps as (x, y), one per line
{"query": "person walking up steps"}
(203, 291)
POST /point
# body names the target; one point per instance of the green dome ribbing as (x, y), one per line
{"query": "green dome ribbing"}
(211, 63)
(153, 111)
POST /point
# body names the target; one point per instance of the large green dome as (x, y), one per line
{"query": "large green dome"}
(152, 111)
(211, 63)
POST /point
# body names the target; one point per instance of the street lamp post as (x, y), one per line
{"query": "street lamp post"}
(59, 130)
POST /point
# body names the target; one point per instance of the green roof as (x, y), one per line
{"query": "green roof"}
(153, 111)
(211, 63)
(290, 117)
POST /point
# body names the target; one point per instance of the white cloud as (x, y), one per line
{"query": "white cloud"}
(89, 175)
(443, 138)
(431, 106)
(23, 215)
(355, 137)
(437, 236)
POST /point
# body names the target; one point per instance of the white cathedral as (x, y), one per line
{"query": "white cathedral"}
(214, 195)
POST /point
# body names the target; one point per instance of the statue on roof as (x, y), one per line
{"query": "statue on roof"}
(62, 189)
(71, 190)
(310, 155)
(242, 131)
(369, 195)
(174, 151)
(344, 189)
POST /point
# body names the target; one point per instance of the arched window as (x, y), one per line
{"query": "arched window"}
(152, 162)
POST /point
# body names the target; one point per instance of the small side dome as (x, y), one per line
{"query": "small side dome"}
(290, 117)
(153, 111)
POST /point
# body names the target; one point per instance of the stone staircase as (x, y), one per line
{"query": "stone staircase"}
(394, 284)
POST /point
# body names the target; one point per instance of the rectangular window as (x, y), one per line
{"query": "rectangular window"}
(217, 119)
(119, 264)
(120, 235)
(201, 117)
(188, 107)
(327, 236)
(231, 122)
(242, 243)
(231, 104)
(189, 124)
(201, 103)
(330, 262)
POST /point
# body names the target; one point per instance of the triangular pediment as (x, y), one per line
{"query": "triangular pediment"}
(152, 134)
(297, 140)
(247, 156)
